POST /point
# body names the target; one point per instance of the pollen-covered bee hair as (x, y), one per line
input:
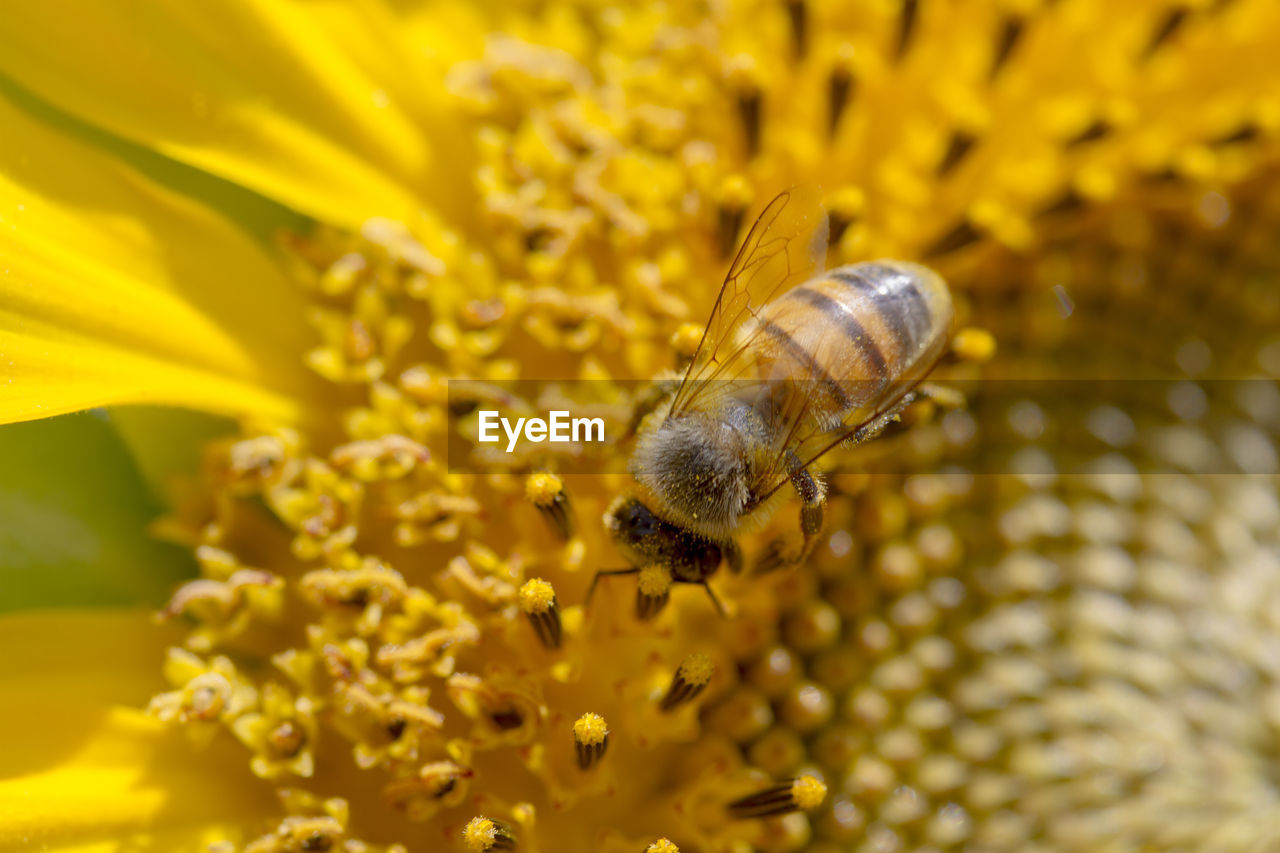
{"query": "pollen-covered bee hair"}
(793, 362)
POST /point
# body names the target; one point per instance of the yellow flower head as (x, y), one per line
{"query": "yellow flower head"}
(1031, 621)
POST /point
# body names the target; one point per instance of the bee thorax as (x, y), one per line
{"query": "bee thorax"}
(696, 466)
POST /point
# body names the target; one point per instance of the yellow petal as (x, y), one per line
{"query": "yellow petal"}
(407, 54)
(257, 92)
(114, 290)
(82, 769)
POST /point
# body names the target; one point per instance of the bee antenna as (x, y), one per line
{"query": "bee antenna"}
(591, 590)
(714, 600)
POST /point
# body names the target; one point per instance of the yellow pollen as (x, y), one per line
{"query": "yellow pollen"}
(685, 339)
(735, 191)
(847, 202)
(537, 596)
(590, 729)
(479, 834)
(543, 489)
(808, 792)
(972, 344)
(662, 845)
(697, 669)
(654, 581)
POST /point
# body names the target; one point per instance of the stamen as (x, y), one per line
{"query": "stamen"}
(906, 28)
(973, 344)
(538, 601)
(840, 87)
(1010, 34)
(312, 834)
(844, 209)
(803, 793)
(507, 718)
(546, 492)
(442, 777)
(653, 591)
(1099, 129)
(798, 15)
(685, 342)
(438, 784)
(482, 835)
(735, 195)
(957, 238)
(744, 78)
(690, 679)
(961, 145)
(662, 845)
(1068, 202)
(591, 738)
(1173, 21)
(1245, 133)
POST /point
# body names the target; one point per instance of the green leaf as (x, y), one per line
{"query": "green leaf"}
(74, 513)
(167, 442)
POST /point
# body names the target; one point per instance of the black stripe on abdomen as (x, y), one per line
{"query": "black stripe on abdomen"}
(806, 358)
(849, 325)
(899, 311)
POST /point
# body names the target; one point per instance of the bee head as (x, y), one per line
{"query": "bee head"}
(696, 468)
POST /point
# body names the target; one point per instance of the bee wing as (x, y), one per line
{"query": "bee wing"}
(804, 441)
(786, 246)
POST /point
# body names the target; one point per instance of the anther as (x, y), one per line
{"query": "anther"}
(957, 238)
(546, 492)
(735, 195)
(840, 87)
(442, 777)
(1069, 202)
(591, 739)
(961, 145)
(538, 601)
(507, 718)
(1010, 34)
(906, 28)
(973, 344)
(482, 835)
(685, 341)
(1098, 130)
(1243, 133)
(843, 209)
(662, 845)
(801, 794)
(744, 78)
(798, 15)
(1166, 30)
(653, 591)
(690, 679)
(287, 739)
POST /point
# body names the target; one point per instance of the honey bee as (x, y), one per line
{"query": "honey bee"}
(793, 362)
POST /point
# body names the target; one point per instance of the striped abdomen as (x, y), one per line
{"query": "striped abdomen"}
(856, 335)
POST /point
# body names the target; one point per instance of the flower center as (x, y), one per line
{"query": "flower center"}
(1011, 628)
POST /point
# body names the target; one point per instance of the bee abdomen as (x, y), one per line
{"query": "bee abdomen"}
(862, 328)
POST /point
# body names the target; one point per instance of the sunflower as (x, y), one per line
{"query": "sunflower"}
(1046, 620)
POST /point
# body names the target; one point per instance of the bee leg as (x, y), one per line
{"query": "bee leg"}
(715, 599)
(591, 590)
(874, 427)
(814, 497)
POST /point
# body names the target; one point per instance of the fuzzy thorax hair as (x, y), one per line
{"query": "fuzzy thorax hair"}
(697, 468)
